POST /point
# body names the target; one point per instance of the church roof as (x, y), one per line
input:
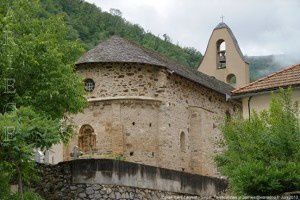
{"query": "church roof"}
(289, 76)
(236, 44)
(117, 49)
(221, 25)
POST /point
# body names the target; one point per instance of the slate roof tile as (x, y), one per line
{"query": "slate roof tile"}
(117, 49)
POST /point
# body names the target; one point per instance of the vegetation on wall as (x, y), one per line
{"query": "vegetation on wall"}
(262, 155)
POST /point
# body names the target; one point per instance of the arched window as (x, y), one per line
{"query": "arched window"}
(231, 79)
(89, 85)
(182, 142)
(86, 139)
(221, 54)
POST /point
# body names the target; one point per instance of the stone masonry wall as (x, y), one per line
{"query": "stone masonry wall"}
(127, 127)
(198, 112)
(57, 184)
(154, 117)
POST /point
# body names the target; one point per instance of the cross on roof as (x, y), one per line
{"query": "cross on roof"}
(222, 17)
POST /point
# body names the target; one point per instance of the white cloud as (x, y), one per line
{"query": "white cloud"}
(261, 27)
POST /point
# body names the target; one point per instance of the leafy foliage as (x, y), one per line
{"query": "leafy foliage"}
(38, 87)
(4, 187)
(6, 194)
(21, 131)
(28, 195)
(38, 58)
(91, 25)
(263, 155)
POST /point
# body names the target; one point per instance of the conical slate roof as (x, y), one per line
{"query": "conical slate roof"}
(117, 49)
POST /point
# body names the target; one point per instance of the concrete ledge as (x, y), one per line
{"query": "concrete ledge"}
(113, 172)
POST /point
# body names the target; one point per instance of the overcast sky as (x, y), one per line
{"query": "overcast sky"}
(262, 27)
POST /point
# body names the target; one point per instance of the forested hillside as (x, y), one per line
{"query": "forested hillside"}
(261, 66)
(91, 25)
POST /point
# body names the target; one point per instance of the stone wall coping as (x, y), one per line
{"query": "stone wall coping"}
(124, 98)
(124, 173)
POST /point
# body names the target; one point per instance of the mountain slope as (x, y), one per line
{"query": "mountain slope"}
(91, 25)
(261, 66)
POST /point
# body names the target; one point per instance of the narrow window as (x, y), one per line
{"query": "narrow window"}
(182, 142)
(221, 54)
(89, 85)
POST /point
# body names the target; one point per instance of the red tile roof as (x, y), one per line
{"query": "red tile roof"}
(289, 76)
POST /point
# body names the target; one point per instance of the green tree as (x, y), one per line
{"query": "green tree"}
(21, 131)
(37, 58)
(38, 86)
(262, 155)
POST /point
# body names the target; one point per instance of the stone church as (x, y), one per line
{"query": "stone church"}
(148, 109)
(152, 126)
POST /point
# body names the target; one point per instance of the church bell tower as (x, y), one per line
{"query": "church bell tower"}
(223, 58)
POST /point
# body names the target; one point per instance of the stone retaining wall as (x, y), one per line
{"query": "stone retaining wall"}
(58, 183)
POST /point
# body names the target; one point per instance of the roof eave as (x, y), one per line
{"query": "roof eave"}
(263, 91)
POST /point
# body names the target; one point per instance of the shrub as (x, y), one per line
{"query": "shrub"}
(262, 155)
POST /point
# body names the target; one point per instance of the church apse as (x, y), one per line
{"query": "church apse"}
(141, 113)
